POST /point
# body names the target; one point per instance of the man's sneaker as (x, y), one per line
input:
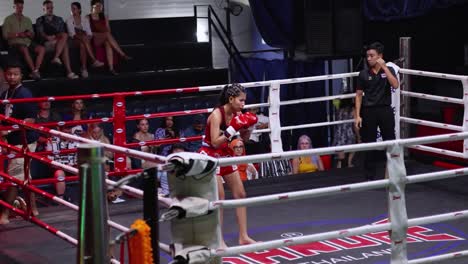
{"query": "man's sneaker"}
(84, 74)
(97, 64)
(35, 75)
(118, 200)
(72, 76)
(56, 61)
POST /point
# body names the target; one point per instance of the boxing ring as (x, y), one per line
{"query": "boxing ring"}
(353, 234)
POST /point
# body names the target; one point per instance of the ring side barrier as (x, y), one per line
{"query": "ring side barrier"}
(120, 104)
(348, 148)
(396, 197)
(117, 149)
(76, 178)
(40, 223)
(464, 81)
(274, 85)
(127, 189)
(433, 97)
(431, 124)
(334, 190)
(440, 151)
(46, 226)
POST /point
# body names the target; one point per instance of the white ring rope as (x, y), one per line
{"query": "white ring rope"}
(284, 81)
(439, 258)
(439, 151)
(347, 148)
(433, 97)
(328, 191)
(331, 123)
(431, 123)
(434, 74)
(335, 76)
(317, 99)
(319, 151)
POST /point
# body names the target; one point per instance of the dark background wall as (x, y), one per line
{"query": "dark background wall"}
(438, 38)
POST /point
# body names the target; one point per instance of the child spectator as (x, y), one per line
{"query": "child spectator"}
(246, 171)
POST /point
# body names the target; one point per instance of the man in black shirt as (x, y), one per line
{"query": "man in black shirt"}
(23, 111)
(373, 101)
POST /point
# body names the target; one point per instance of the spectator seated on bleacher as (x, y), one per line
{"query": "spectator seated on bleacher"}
(196, 129)
(169, 130)
(41, 170)
(96, 132)
(78, 112)
(80, 32)
(307, 163)
(17, 29)
(102, 35)
(45, 114)
(142, 135)
(51, 32)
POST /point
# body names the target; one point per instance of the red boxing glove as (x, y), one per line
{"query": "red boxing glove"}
(237, 122)
(251, 119)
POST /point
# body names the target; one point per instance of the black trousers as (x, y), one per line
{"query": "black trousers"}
(373, 117)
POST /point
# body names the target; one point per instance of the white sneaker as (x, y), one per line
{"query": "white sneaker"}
(72, 76)
(118, 200)
(35, 75)
(97, 64)
(56, 61)
(84, 74)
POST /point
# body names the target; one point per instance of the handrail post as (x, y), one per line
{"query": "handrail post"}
(93, 233)
(274, 118)
(120, 160)
(396, 100)
(397, 203)
(465, 115)
(405, 84)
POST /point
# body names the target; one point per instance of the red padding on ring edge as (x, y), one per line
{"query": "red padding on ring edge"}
(446, 165)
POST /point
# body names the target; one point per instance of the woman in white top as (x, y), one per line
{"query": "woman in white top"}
(80, 31)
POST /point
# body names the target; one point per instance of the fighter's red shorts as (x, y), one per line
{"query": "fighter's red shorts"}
(221, 152)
